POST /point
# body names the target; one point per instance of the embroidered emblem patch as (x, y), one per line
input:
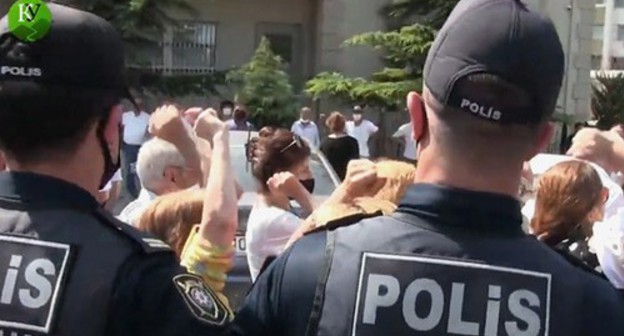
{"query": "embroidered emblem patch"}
(201, 300)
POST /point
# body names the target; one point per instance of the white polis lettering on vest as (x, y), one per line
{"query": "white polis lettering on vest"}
(33, 276)
(486, 112)
(454, 297)
(31, 282)
(20, 71)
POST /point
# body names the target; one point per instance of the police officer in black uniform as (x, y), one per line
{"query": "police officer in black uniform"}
(67, 267)
(453, 259)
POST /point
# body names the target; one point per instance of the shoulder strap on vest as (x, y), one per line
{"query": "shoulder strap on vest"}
(144, 241)
(319, 293)
(344, 221)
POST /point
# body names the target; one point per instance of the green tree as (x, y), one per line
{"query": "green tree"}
(608, 100)
(264, 88)
(142, 24)
(404, 49)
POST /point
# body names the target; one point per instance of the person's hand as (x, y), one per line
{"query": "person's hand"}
(207, 124)
(599, 147)
(361, 179)
(166, 123)
(191, 114)
(285, 183)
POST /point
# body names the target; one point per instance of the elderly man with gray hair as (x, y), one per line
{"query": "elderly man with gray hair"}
(162, 169)
(165, 164)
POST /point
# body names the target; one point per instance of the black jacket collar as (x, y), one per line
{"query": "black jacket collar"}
(41, 190)
(472, 210)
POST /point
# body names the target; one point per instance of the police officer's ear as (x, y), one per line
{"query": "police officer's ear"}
(112, 128)
(542, 140)
(416, 110)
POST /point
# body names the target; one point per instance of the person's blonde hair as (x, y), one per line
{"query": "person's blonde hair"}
(397, 176)
(566, 194)
(171, 217)
(336, 122)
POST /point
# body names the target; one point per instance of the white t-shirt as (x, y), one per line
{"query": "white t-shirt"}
(608, 237)
(307, 131)
(268, 230)
(405, 131)
(116, 178)
(362, 133)
(133, 211)
(135, 127)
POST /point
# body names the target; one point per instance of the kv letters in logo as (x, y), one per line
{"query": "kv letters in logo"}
(31, 274)
(28, 11)
(440, 297)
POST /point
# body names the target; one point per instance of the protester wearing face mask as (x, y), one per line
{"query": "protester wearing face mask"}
(83, 272)
(227, 109)
(362, 130)
(306, 128)
(281, 162)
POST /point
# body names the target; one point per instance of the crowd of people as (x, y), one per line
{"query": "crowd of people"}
(481, 236)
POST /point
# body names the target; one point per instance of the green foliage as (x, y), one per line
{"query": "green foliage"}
(429, 12)
(142, 24)
(264, 88)
(411, 29)
(608, 100)
(404, 51)
(137, 20)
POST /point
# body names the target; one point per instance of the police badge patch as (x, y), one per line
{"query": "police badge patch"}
(201, 300)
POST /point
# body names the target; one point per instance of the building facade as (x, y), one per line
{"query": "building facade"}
(608, 35)
(307, 34)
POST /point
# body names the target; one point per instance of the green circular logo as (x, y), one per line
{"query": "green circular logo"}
(29, 20)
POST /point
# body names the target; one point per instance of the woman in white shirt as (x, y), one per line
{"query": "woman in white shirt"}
(281, 162)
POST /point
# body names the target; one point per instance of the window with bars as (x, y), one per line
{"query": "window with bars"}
(186, 49)
(191, 48)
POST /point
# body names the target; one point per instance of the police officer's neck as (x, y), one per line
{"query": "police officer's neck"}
(435, 169)
(72, 171)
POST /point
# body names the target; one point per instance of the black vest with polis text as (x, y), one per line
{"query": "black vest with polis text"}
(59, 264)
(400, 275)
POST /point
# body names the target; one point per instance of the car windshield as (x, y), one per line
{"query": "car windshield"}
(323, 183)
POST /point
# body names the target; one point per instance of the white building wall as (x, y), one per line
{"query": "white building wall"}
(573, 20)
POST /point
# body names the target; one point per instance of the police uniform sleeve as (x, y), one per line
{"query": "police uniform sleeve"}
(155, 296)
(604, 308)
(281, 299)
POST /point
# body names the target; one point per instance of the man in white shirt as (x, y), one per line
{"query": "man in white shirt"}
(134, 125)
(405, 135)
(361, 129)
(306, 128)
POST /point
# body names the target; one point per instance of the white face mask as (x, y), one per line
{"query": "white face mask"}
(227, 111)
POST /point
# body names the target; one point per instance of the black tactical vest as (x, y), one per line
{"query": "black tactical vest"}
(59, 267)
(401, 276)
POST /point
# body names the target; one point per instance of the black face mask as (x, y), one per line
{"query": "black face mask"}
(308, 184)
(110, 167)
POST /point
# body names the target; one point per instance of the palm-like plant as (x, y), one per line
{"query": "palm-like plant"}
(405, 12)
(608, 100)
